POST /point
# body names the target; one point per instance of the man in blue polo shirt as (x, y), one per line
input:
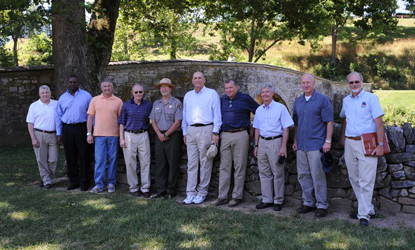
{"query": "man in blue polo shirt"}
(134, 140)
(236, 109)
(361, 113)
(71, 117)
(313, 119)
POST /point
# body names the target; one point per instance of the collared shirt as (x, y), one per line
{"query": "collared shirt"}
(106, 112)
(271, 120)
(165, 114)
(312, 117)
(202, 107)
(42, 115)
(72, 108)
(360, 113)
(134, 116)
(236, 112)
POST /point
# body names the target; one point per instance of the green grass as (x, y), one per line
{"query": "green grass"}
(398, 105)
(34, 218)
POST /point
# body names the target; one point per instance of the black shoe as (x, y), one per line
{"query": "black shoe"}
(48, 186)
(354, 216)
(146, 194)
(305, 209)
(264, 205)
(277, 207)
(320, 213)
(364, 222)
(84, 188)
(157, 195)
(136, 193)
(41, 184)
(73, 186)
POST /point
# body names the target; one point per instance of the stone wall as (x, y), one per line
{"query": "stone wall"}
(19, 86)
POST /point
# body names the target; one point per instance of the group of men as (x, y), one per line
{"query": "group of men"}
(207, 120)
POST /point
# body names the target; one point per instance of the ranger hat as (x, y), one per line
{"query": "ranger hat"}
(164, 81)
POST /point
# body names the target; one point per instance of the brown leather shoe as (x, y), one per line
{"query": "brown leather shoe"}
(234, 202)
(136, 193)
(219, 202)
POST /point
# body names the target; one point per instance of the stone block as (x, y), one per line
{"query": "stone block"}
(340, 204)
(394, 192)
(404, 192)
(400, 157)
(385, 192)
(407, 133)
(122, 178)
(410, 172)
(410, 163)
(388, 206)
(289, 190)
(292, 167)
(382, 165)
(403, 184)
(395, 167)
(410, 149)
(249, 197)
(406, 201)
(293, 180)
(292, 202)
(400, 175)
(412, 190)
(382, 180)
(254, 168)
(396, 139)
(351, 194)
(337, 179)
(254, 187)
(408, 209)
(298, 195)
(336, 192)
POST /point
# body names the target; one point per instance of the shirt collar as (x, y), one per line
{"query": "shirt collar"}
(76, 92)
(237, 95)
(168, 101)
(312, 97)
(109, 98)
(133, 102)
(359, 95)
(265, 107)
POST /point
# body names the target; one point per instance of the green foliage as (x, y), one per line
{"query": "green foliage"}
(398, 106)
(40, 50)
(328, 70)
(6, 58)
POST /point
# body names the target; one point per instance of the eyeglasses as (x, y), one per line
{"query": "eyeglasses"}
(136, 92)
(355, 82)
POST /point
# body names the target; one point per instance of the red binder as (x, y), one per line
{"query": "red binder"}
(370, 141)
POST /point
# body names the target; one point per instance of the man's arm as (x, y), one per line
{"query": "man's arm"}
(295, 137)
(329, 134)
(173, 127)
(343, 132)
(380, 134)
(89, 138)
(157, 130)
(256, 142)
(122, 138)
(31, 129)
(283, 149)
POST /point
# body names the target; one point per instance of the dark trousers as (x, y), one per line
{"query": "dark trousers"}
(167, 163)
(77, 153)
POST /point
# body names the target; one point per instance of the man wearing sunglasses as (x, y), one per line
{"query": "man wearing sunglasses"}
(361, 113)
(236, 109)
(313, 128)
(134, 140)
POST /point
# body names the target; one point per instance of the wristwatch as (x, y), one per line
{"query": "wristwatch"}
(165, 136)
(216, 133)
(89, 133)
(328, 141)
(380, 144)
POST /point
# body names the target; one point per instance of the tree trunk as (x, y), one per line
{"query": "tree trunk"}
(334, 44)
(252, 41)
(77, 51)
(15, 58)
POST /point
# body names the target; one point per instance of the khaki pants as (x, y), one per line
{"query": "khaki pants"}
(47, 156)
(137, 144)
(271, 174)
(198, 141)
(362, 174)
(233, 148)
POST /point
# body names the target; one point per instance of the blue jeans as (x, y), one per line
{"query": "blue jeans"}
(105, 147)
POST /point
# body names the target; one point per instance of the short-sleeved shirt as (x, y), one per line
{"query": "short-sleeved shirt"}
(106, 112)
(236, 112)
(42, 115)
(360, 113)
(165, 114)
(312, 117)
(72, 108)
(134, 116)
(271, 120)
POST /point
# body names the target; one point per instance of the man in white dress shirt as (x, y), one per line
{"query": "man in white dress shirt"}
(41, 125)
(201, 124)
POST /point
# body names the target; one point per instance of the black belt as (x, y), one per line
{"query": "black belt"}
(45, 131)
(74, 124)
(136, 131)
(270, 138)
(201, 124)
(235, 130)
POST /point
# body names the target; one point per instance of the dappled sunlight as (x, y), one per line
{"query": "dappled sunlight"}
(19, 215)
(102, 204)
(43, 246)
(197, 235)
(10, 184)
(190, 229)
(199, 243)
(4, 204)
(152, 243)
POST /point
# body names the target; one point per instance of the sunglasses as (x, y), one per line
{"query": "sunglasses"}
(355, 82)
(137, 92)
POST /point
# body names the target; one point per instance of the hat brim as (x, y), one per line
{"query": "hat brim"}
(158, 85)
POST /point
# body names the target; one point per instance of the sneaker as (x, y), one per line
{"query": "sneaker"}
(305, 209)
(189, 199)
(219, 202)
(111, 188)
(234, 202)
(199, 199)
(96, 190)
(320, 213)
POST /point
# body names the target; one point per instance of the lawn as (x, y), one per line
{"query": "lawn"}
(398, 105)
(34, 218)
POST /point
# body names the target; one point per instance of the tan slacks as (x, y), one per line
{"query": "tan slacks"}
(47, 156)
(233, 148)
(137, 144)
(198, 141)
(271, 174)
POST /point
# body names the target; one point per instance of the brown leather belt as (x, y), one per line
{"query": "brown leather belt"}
(235, 130)
(356, 138)
(45, 131)
(136, 131)
(270, 138)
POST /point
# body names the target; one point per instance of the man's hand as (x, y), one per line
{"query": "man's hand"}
(295, 146)
(378, 151)
(215, 139)
(283, 151)
(122, 143)
(35, 143)
(341, 142)
(162, 138)
(326, 147)
(90, 139)
(58, 139)
(256, 152)
(184, 139)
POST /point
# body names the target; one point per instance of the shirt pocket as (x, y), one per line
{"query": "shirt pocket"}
(157, 114)
(170, 115)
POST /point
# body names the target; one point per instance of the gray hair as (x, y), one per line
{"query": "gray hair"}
(310, 75)
(355, 72)
(232, 80)
(107, 80)
(137, 85)
(44, 87)
(269, 86)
